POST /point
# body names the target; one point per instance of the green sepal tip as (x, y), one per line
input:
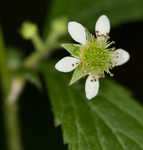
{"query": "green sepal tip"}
(73, 49)
(78, 73)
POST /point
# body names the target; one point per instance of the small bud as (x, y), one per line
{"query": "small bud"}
(59, 26)
(28, 30)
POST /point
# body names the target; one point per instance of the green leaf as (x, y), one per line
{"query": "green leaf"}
(112, 120)
(4, 71)
(30, 75)
(78, 73)
(87, 11)
(73, 49)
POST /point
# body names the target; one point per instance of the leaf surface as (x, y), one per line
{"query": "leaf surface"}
(112, 120)
(87, 11)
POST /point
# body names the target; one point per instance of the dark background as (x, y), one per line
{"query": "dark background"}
(37, 126)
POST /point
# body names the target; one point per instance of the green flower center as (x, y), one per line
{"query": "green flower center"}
(96, 57)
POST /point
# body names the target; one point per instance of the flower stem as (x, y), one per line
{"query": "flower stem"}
(12, 126)
(9, 107)
(12, 87)
(36, 56)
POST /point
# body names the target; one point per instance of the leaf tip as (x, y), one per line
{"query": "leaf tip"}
(63, 45)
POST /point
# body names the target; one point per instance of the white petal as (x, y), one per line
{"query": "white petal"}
(77, 32)
(121, 57)
(67, 64)
(102, 25)
(91, 87)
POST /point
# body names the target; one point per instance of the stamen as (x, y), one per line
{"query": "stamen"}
(111, 74)
(110, 43)
(107, 36)
(113, 65)
(113, 48)
(85, 71)
(103, 76)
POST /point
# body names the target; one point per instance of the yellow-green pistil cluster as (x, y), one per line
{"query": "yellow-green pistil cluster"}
(96, 57)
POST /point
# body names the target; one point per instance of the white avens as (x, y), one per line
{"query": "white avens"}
(93, 56)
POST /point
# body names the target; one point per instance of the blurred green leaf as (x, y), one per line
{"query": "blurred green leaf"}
(112, 120)
(87, 11)
(4, 71)
(30, 75)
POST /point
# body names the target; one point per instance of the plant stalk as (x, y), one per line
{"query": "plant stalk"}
(12, 126)
(9, 106)
(12, 89)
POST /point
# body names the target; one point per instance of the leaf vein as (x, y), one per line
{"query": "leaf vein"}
(108, 125)
(126, 112)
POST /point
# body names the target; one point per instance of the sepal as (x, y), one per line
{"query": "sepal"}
(78, 73)
(73, 49)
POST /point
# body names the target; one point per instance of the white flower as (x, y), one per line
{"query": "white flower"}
(78, 33)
